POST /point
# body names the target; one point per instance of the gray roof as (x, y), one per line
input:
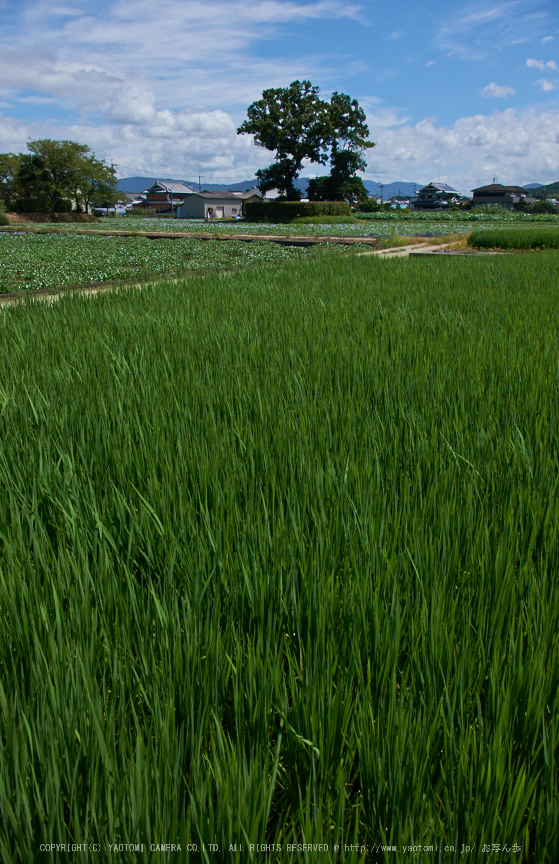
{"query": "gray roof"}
(228, 196)
(497, 187)
(171, 186)
(442, 186)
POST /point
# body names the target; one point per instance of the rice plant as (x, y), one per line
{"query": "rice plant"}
(279, 566)
(516, 238)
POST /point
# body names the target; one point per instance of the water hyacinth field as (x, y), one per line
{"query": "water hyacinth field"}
(30, 261)
(279, 565)
(386, 226)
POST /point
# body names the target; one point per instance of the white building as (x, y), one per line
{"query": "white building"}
(215, 205)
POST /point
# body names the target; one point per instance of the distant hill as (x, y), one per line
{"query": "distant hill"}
(135, 185)
(532, 186)
(549, 191)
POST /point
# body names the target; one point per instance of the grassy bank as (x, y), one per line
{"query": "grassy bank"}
(279, 563)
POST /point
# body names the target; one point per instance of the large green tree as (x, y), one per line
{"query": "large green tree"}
(348, 142)
(299, 126)
(37, 189)
(9, 167)
(56, 176)
(295, 123)
(76, 173)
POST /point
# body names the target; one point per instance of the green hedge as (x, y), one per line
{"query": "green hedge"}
(286, 211)
(72, 216)
(515, 238)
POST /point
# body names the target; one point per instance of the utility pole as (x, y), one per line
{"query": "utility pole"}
(199, 184)
(381, 191)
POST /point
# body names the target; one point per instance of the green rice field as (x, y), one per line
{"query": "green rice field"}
(279, 566)
(540, 237)
(31, 261)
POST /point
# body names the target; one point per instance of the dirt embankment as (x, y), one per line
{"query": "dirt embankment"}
(16, 218)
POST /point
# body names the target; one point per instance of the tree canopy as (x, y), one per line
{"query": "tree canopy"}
(300, 126)
(54, 176)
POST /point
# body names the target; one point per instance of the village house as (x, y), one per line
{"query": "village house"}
(163, 196)
(435, 196)
(506, 196)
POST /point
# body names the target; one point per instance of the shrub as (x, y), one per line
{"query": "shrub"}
(3, 218)
(42, 204)
(495, 209)
(515, 238)
(146, 212)
(72, 216)
(287, 211)
(371, 205)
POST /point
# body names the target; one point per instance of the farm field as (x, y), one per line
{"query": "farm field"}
(279, 564)
(387, 224)
(30, 261)
(385, 227)
(526, 237)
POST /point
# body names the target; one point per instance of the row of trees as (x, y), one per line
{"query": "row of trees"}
(299, 126)
(55, 176)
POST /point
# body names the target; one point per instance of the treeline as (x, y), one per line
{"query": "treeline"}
(55, 177)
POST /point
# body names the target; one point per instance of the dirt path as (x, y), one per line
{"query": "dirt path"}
(404, 251)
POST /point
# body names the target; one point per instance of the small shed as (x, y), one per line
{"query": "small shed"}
(215, 205)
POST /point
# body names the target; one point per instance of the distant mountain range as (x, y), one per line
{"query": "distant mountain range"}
(135, 185)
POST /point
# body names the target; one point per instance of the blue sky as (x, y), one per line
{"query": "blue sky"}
(456, 91)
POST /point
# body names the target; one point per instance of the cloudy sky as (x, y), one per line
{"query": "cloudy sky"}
(456, 91)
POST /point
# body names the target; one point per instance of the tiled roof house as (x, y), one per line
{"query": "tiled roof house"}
(435, 196)
(506, 196)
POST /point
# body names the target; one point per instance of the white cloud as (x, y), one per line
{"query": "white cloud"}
(479, 33)
(547, 39)
(541, 64)
(181, 145)
(149, 88)
(431, 63)
(385, 118)
(518, 146)
(498, 90)
(201, 47)
(546, 85)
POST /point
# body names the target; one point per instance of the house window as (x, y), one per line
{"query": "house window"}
(233, 209)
